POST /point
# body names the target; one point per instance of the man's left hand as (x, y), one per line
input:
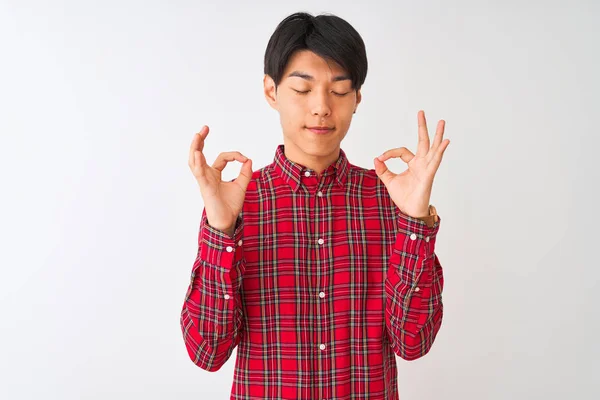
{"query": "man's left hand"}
(411, 189)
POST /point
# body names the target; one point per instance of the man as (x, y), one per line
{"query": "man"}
(320, 271)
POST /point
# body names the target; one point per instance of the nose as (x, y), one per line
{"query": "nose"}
(320, 106)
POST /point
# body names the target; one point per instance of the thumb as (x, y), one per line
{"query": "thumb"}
(382, 171)
(245, 174)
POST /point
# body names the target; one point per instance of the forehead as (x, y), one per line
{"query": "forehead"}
(305, 62)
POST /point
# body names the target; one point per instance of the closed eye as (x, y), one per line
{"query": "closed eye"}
(306, 91)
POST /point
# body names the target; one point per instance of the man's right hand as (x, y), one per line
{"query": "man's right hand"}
(223, 201)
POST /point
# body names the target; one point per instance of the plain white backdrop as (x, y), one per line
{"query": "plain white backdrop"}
(100, 213)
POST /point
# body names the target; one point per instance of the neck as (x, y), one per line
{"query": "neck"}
(318, 163)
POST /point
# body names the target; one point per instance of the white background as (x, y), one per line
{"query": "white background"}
(100, 213)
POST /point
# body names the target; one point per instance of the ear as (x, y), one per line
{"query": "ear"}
(358, 99)
(270, 91)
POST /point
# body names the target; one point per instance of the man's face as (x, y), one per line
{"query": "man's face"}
(327, 100)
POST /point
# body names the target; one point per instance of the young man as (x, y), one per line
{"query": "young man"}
(320, 271)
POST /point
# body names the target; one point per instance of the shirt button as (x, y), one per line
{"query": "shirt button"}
(322, 347)
(307, 174)
(417, 289)
(321, 295)
(413, 236)
(321, 241)
(226, 297)
(427, 239)
(229, 249)
(320, 194)
(240, 243)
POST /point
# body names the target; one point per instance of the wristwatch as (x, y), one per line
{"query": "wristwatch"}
(432, 218)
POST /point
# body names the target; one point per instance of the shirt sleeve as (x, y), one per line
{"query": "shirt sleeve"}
(212, 318)
(413, 286)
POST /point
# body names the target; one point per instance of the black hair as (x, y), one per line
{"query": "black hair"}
(326, 35)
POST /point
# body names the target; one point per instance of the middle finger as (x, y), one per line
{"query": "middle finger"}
(423, 145)
(197, 144)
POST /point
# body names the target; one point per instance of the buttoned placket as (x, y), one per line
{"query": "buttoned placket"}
(321, 256)
(320, 242)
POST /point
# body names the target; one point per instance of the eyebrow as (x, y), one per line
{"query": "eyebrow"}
(308, 77)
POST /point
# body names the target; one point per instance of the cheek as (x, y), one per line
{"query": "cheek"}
(295, 110)
(345, 112)
(291, 117)
(298, 104)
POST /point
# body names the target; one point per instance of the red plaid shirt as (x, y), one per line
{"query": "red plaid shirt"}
(322, 283)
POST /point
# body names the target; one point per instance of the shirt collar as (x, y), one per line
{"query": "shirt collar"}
(292, 172)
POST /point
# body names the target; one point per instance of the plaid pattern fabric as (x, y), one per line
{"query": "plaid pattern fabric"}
(324, 281)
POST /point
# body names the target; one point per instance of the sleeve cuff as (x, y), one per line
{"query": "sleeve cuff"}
(416, 237)
(217, 247)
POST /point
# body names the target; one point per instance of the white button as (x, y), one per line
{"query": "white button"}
(413, 236)
(226, 297)
(321, 241)
(240, 243)
(229, 249)
(320, 194)
(321, 295)
(307, 173)
(417, 289)
(427, 239)
(322, 347)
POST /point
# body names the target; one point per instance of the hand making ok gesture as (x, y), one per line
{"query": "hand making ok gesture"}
(411, 189)
(223, 201)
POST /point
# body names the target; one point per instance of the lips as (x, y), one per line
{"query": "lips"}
(320, 129)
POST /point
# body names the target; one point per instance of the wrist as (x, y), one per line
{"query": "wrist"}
(229, 230)
(419, 213)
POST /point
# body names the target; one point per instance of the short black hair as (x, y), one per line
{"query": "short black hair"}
(326, 35)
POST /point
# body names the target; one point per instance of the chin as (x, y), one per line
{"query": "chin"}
(319, 149)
